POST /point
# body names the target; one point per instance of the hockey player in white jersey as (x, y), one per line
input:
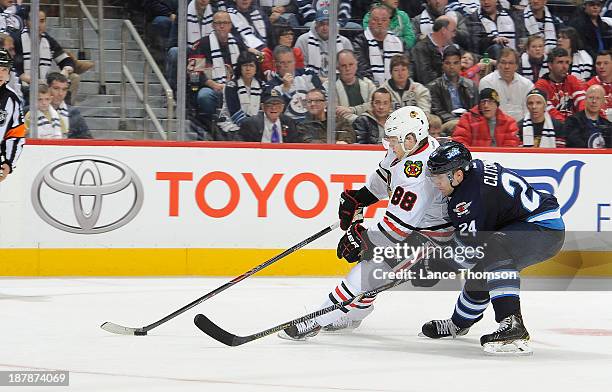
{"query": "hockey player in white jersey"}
(414, 205)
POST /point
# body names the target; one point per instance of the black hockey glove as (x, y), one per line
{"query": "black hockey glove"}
(429, 264)
(353, 243)
(421, 269)
(350, 201)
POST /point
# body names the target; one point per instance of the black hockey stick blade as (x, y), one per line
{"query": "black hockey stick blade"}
(121, 330)
(229, 339)
(217, 333)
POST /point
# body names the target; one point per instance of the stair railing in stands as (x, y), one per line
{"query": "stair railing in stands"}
(127, 30)
(98, 27)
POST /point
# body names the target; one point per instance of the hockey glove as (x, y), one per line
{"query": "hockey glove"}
(351, 201)
(353, 243)
(421, 269)
(427, 265)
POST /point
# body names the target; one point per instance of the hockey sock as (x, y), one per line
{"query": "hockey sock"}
(504, 289)
(355, 311)
(469, 308)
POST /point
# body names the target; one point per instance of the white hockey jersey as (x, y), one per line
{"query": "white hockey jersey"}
(414, 201)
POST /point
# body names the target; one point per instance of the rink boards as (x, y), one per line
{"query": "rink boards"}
(100, 208)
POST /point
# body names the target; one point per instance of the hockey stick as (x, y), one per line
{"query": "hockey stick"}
(229, 339)
(121, 330)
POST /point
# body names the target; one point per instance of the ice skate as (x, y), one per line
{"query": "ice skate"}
(343, 323)
(300, 331)
(436, 329)
(510, 338)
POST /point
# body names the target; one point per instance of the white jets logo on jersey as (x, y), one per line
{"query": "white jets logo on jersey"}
(462, 208)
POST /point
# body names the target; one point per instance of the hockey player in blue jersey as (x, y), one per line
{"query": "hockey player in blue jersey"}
(517, 226)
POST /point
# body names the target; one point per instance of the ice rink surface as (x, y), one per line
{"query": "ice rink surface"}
(53, 324)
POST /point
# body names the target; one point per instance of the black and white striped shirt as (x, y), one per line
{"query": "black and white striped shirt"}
(12, 127)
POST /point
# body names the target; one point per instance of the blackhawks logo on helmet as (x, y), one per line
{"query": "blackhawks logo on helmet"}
(413, 169)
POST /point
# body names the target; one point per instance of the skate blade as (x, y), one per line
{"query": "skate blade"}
(462, 333)
(285, 336)
(514, 348)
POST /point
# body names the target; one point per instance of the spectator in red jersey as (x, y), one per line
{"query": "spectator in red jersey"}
(603, 67)
(565, 92)
(485, 125)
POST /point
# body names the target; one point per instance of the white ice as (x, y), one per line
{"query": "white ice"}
(53, 324)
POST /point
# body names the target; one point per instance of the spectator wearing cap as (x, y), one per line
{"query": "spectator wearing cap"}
(427, 53)
(314, 44)
(486, 125)
(603, 68)
(596, 34)
(405, 91)
(241, 96)
(400, 23)
(511, 87)
(587, 128)
(281, 11)
(538, 128)
(271, 125)
(376, 45)
(309, 8)
(281, 35)
(451, 94)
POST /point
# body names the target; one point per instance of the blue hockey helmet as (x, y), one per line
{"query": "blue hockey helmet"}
(449, 157)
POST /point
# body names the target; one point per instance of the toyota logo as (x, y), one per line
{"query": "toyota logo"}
(85, 182)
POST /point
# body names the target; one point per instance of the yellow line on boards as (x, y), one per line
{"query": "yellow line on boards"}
(232, 262)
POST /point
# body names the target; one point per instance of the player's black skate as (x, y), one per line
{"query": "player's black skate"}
(300, 331)
(437, 329)
(510, 338)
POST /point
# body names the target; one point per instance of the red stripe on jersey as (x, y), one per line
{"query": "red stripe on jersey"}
(394, 228)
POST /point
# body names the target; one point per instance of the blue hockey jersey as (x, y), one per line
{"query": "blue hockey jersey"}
(491, 197)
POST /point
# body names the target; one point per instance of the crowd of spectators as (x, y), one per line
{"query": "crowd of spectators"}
(58, 74)
(488, 72)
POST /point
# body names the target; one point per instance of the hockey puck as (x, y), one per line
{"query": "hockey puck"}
(140, 333)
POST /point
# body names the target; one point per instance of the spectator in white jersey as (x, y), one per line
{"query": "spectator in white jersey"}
(10, 21)
(50, 52)
(314, 44)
